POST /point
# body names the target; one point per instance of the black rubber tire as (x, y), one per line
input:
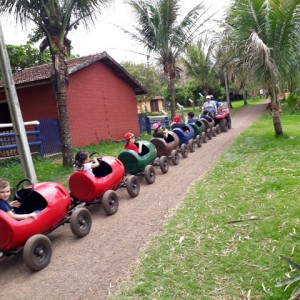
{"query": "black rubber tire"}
(209, 134)
(229, 122)
(198, 141)
(150, 174)
(164, 164)
(37, 252)
(191, 145)
(204, 137)
(214, 131)
(133, 186)
(175, 157)
(81, 222)
(184, 151)
(218, 130)
(223, 125)
(110, 202)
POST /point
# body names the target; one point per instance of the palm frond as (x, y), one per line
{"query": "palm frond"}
(290, 262)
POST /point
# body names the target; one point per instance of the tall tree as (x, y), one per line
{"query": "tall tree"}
(267, 32)
(199, 65)
(25, 56)
(54, 19)
(147, 76)
(162, 33)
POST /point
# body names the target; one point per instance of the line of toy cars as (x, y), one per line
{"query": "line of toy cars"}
(58, 206)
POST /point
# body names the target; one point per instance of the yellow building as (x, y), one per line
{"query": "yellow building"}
(153, 105)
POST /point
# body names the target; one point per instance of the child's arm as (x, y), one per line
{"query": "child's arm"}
(95, 163)
(15, 203)
(166, 133)
(140, 147)
(23, 216)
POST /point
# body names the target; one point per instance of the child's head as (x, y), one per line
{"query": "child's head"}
(129, 137)
(156, 126)
(177, 119)
(5, 189)
(190, 115)
(81, 157)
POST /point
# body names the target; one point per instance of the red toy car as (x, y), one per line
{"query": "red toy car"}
(223, 119)
(100, 186)
(53, 202)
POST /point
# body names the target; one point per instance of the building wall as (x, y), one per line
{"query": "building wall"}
(101, 106)
(37, 102)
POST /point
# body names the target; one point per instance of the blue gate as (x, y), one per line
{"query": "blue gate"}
(49, 130)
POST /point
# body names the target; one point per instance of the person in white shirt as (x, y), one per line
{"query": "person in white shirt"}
(209, 106)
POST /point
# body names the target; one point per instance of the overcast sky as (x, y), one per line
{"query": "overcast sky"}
(105, 36)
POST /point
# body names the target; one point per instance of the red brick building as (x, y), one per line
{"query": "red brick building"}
(101, 98)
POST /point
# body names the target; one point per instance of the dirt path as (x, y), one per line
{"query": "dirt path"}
(92, 267)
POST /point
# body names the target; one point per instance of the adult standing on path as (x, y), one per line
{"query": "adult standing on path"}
(91, 268)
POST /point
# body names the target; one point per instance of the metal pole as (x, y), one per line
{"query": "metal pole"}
(15, 113)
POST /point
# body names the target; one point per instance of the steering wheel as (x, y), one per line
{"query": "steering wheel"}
(21, 192)
(99, 158)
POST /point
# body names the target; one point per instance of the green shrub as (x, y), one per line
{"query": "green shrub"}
(293, 101)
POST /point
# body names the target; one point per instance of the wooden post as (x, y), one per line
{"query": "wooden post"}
(15, 113)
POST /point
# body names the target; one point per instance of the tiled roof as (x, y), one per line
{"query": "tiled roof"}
(43, 72)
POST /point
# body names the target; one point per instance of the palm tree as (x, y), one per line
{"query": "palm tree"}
(199, 65)
(267, 32)
(54, 19)
(161, 33)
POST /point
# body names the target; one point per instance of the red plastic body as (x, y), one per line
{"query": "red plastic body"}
(87, 187)
(223, 113)
(14, 234)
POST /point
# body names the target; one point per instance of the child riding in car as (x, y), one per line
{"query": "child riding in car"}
(131, 144)
(82, 162)
(5, 191)
(158, 132)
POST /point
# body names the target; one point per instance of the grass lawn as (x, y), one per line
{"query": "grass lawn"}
(227, 236)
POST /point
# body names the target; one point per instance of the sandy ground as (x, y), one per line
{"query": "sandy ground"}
(93, 267)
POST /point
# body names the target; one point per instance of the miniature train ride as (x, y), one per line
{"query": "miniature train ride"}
(57, 206)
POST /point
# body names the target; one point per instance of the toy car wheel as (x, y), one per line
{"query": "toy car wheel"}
(191, 146)
(164, 164)
(204, 137)
(229, 123)
(198, 141)
(81, 222)
(184, 151)
(150, 175)
(175, 157)
(133, 186)
(110, 202)
(209, 134)
(218, 130)
(223, 125)
(214, 132)
(37, 252)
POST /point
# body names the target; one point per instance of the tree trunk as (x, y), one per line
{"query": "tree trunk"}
(275, 109)
(60, 82)
(245, 96)
(171, 87)
(227, 89)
